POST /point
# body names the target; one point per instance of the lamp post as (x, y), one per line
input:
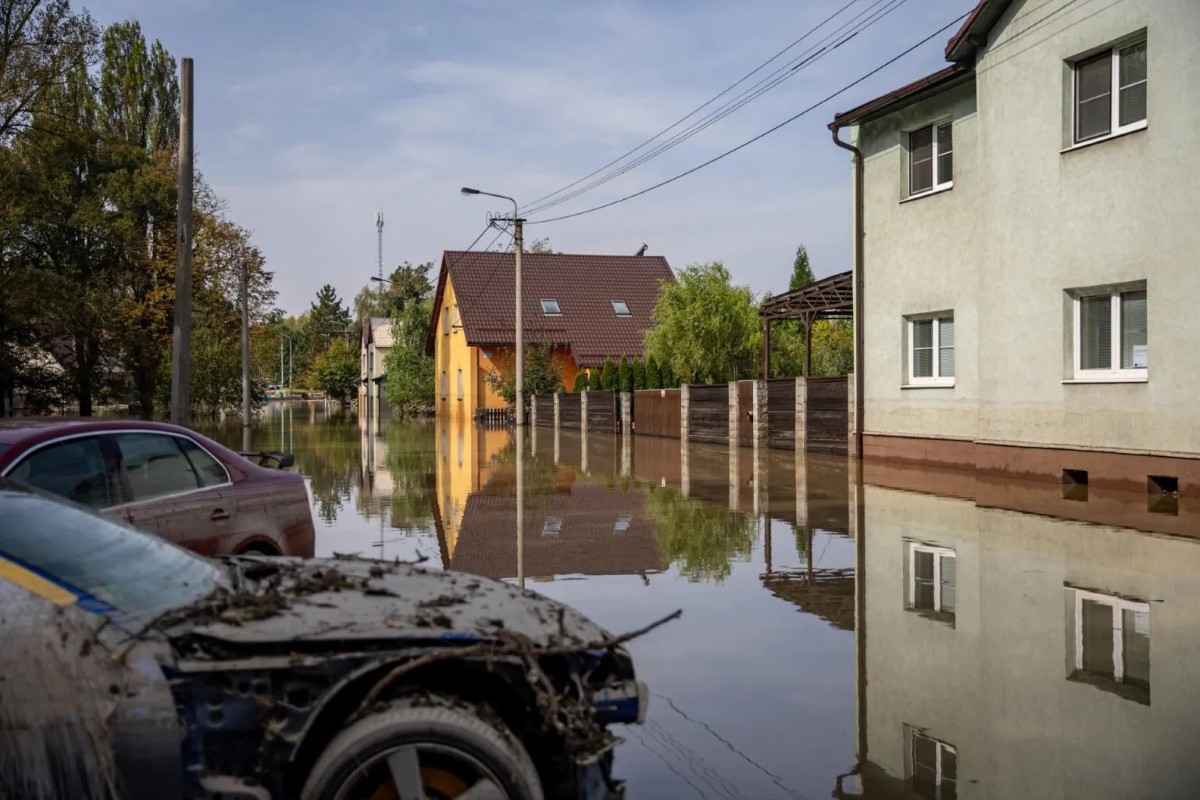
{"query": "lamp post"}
(520, 382)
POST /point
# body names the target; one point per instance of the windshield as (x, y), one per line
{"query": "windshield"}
(131, 571)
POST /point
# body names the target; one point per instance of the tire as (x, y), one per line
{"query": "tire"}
(458, 755)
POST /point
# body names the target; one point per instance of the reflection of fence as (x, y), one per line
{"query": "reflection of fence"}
(827, 415)
(780, 413)
(656, 412)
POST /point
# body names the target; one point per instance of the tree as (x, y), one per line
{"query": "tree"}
(407, 283)
(335, 371)
(802, 274)
(593, 383)
(653, 376)
(543, 373)
(581, 382)
(608, 378)
(701, 538)
(328, 319)
(705, 328)
(409, 385)
(638, 374)
(624, 375)
(668, 377)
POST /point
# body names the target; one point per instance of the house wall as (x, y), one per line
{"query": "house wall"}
(994, 686)
(1027, 221)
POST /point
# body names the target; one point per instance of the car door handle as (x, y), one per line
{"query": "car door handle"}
(219, 514)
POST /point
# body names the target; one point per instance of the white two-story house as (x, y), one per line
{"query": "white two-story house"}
(1030, 248)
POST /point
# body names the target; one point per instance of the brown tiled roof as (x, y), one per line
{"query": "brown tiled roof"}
(905, 94)
(583, 285)
(585, 543)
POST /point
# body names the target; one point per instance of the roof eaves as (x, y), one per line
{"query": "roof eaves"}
(972, 36)
(938, 81)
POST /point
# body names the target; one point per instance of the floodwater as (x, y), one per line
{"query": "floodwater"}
(999, 644)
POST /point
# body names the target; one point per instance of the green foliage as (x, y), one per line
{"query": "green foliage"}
(653, 376)
(668, 377)
(593, 383)
(335, 371)
(581, 382)
(543, 374)
(409, 385)
(638, 374)
(608, 377)
(328, 319)
(802, 274)
(624, 375)
(701, 538)
(706, 329)
(408, 283)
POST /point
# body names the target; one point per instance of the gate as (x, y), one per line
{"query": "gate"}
(656, 412)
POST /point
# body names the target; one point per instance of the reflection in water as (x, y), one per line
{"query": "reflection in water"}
(990, 646)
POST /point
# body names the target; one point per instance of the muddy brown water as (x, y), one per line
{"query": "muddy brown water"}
(1000, 643)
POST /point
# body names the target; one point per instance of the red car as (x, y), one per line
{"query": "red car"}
(165, 479)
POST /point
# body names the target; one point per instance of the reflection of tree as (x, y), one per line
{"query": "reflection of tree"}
(411, 452)
(701, 537)
(330, 454)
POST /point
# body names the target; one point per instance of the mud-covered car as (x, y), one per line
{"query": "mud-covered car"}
(132, 668)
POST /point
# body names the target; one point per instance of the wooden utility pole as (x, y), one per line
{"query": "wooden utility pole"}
(181, 345)
(245, 354)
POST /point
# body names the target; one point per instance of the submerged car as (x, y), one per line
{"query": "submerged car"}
(132, 663)
(165, 479)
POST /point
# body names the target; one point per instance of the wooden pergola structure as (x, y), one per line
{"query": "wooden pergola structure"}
(828, 298)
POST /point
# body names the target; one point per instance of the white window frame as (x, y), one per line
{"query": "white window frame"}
(546, 300)
(1114, 374)
(1114, 126)
(938, 185)
(1118, 604)
(939, 748)
(938, 554)
(936, 379)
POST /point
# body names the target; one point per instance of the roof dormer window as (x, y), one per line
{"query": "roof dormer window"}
(550, 307)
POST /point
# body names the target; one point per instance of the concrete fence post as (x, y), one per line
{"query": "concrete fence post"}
(557, 413)
(760, 412)
(583, 418)
(735, 476)
(734, 418)
(684, 409)
(626, 413)
(852, 423)
(801, 415)
(533, 410)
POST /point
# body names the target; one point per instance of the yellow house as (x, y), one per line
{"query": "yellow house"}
(588, 308)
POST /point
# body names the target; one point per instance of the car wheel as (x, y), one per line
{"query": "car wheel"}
(258, 549)
(424, 749)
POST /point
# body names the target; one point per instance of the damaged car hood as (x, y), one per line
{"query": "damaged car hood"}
(287, 601)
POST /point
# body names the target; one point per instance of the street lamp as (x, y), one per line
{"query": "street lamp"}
(520, 333)
(378, 279)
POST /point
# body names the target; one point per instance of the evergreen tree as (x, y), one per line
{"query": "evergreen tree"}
(581, 382)
(802, 274)
(608, 378)
(638, 370)
(653, 376)
(593, 382)
(668, 377)
(625, 375)
(328, 318)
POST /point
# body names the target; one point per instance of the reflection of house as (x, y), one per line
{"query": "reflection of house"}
(375, 343)
(587, 307)
(1029, 283)
(1065, 671)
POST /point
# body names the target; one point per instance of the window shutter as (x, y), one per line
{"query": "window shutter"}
(946, 347)
(1095, 332)
(1133, 326)
(949, 583)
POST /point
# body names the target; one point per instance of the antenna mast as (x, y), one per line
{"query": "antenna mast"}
(379, 229)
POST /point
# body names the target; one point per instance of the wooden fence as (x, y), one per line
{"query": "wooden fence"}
(602, 412)
(543, 405)
(827, 415)
(656, 412)
(781, 413)
(708, 413)
(568, 411)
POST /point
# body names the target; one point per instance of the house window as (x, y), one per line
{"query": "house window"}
(931, 350)
(445, 385)
(550, 307)
(930, 159)
(932, 767)
(1111, 643)
(622, 524)
(460, 385)
(446, 320)
(1111, 334)
(552, 526)
(932, 580)
(1110, 92)
(621, 308)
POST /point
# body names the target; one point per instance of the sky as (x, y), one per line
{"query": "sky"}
(312, 116)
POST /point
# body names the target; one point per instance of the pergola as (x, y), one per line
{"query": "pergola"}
(829, 298)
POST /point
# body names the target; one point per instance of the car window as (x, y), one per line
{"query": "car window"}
(208, 468)
(73, 469)
(121, 567)
(155, 465)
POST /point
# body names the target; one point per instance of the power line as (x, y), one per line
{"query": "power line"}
(762, 135)
(805, 59)
(699, 108)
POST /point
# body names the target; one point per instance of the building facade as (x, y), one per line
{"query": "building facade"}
(584, 308)
(375, 343)
(1027, 219)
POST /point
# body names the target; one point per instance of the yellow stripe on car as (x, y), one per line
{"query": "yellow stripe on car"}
(19, 576)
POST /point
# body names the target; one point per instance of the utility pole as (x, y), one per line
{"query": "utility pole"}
(181, 344)
(379, 232)
(518, 244)
(245, 354)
